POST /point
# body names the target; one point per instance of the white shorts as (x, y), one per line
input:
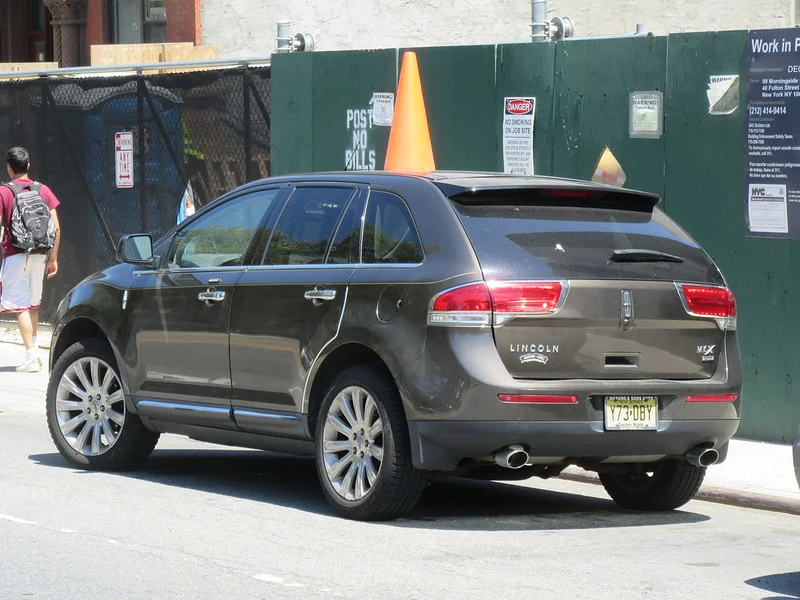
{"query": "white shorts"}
(21, 280)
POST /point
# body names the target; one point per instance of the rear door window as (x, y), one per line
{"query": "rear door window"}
(390, 236)
(305, 228)
(523, 241)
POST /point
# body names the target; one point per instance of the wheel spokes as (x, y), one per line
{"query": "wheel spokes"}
(336, 469)
(77, 368)
(71, 387)
(335, 422)
(347, 410)
(349, 481)
(72, 424)
(86, 393)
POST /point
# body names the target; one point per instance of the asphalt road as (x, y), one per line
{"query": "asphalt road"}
(201, 522)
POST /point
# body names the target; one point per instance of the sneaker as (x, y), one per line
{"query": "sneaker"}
(31, 365)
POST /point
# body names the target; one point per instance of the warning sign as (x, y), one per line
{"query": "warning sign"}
(123, 154)
(518, 116)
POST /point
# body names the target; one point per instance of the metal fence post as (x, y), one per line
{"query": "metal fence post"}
(140, 100)
(248, 136)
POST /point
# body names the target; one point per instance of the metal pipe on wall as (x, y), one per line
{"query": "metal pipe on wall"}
(539, 20)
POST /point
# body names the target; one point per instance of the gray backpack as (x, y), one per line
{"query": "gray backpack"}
(31, 228)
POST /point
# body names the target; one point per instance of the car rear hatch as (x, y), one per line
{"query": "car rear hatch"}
(591, 283)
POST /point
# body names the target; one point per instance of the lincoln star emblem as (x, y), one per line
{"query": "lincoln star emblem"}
(626, 320)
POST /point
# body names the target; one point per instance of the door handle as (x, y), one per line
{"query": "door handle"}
(211, 296)
(320, 295)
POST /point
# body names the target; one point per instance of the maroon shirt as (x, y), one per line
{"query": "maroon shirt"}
(7, 206)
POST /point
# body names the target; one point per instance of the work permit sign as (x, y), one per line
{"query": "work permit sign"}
(518, 115)
(772, 189)
(123, 159)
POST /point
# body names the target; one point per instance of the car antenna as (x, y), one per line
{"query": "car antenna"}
(349, 162)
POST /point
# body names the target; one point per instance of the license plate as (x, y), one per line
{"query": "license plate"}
(637, 413)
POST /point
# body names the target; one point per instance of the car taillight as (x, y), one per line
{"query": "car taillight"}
(466, 305)
(710, 302)
(712, 398)
(474, 303)
(522, 297)
(473, 297)
(537, 399)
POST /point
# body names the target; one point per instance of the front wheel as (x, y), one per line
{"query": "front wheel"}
(363, 452)
(665, 485)
(86, 411)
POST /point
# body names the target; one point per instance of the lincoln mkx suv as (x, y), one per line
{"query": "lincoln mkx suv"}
(399, 327)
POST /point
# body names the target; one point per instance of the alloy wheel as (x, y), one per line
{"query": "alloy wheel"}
(90, 406)
(353, 443)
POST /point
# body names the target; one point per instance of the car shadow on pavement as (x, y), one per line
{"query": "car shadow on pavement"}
(785, 584)
(450, 504)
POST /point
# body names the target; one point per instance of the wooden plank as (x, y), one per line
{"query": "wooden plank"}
(188, 52)
(105, 55)
(28, 66)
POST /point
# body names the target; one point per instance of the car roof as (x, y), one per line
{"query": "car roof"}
(453, 182)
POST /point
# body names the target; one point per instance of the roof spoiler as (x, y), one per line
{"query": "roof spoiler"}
(578, 196)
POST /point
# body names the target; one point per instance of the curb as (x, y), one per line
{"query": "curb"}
(717, 495)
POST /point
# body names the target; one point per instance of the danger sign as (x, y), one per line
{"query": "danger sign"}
(123, 152)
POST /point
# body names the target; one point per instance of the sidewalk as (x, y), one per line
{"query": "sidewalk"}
(755, 474)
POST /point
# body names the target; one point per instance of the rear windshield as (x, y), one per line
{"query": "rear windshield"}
(579, 242)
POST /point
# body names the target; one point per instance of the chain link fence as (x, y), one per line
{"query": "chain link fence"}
(209, 127)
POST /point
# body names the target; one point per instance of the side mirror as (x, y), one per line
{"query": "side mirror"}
(136, 249)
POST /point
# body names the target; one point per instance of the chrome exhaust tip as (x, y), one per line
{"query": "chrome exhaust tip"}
(513, 457)
(702, 457)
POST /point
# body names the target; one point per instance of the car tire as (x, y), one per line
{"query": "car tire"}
(363, 452)
(672, 483)
(86, 411)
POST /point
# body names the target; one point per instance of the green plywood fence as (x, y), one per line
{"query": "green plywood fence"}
(582, 88)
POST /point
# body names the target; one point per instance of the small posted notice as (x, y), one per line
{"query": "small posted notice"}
(518, 115)
(768, 209)
(382, 108)
(123, 159)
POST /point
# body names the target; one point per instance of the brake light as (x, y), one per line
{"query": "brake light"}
(474, 303)
(537, 399)
(530, 297)
(708, 301)
(466, 305)
(713, 398)
(473, 297)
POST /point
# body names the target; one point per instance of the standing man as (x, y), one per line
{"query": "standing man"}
(30, 250)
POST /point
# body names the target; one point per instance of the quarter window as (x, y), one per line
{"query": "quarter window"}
(221, 237)
(390, 236)
(305, 228)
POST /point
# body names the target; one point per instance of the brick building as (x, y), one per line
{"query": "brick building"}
(63, 30)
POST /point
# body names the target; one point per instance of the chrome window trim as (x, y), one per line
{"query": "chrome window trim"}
(191, 270)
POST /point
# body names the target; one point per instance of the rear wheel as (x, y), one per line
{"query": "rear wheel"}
(662, 486)
(363, 452)
(86, 413)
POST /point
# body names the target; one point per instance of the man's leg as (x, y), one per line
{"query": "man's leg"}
(25, 329)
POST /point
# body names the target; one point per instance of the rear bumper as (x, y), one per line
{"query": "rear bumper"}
(441, 445)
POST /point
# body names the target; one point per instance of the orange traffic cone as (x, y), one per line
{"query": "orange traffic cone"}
(410, 149)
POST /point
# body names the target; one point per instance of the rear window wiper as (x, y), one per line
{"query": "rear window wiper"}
(636, 255)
